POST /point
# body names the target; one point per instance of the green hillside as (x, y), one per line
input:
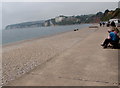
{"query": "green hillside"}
(70, 20)
(111, 14)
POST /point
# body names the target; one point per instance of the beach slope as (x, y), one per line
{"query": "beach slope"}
(70, 59)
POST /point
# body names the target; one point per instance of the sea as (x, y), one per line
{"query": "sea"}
(20, 34)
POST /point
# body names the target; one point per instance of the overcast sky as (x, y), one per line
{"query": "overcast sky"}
(17, 12)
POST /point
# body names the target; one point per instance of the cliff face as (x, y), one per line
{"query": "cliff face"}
(26, 25)
(68, 20)
(95, 18)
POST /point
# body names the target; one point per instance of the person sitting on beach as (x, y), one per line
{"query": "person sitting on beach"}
(111, 38)
(116, 30)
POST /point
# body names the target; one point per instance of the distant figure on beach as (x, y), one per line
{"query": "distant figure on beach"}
(103, 24)
(100, 24)
(108, 24)
(112, 38)
(113, 24)
(76, 29)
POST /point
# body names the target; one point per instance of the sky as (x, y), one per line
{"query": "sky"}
(17, 12)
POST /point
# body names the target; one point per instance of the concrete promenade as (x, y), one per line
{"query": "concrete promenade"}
(86, 63)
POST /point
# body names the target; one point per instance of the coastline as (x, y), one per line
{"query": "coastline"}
(17, 43)
(21, 57)
(52, 33)
(37, 38)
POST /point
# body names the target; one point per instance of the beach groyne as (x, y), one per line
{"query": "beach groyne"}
(20, 58)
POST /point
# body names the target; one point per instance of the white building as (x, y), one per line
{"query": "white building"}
(59, 19)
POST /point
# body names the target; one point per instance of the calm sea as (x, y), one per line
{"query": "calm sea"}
(14, 35)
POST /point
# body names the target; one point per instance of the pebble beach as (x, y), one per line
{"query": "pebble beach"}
(21, 57)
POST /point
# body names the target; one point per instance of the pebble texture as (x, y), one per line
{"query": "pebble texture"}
(20, 58)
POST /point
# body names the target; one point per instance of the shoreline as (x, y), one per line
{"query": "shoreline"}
(85, 63)
(21, 57)
(37, 38)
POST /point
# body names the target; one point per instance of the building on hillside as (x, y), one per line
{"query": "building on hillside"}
(59, 19)
(73, 19)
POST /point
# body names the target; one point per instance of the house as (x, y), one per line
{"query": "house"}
(59, 19)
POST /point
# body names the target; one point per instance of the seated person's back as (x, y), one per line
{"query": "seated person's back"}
(113, 36)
